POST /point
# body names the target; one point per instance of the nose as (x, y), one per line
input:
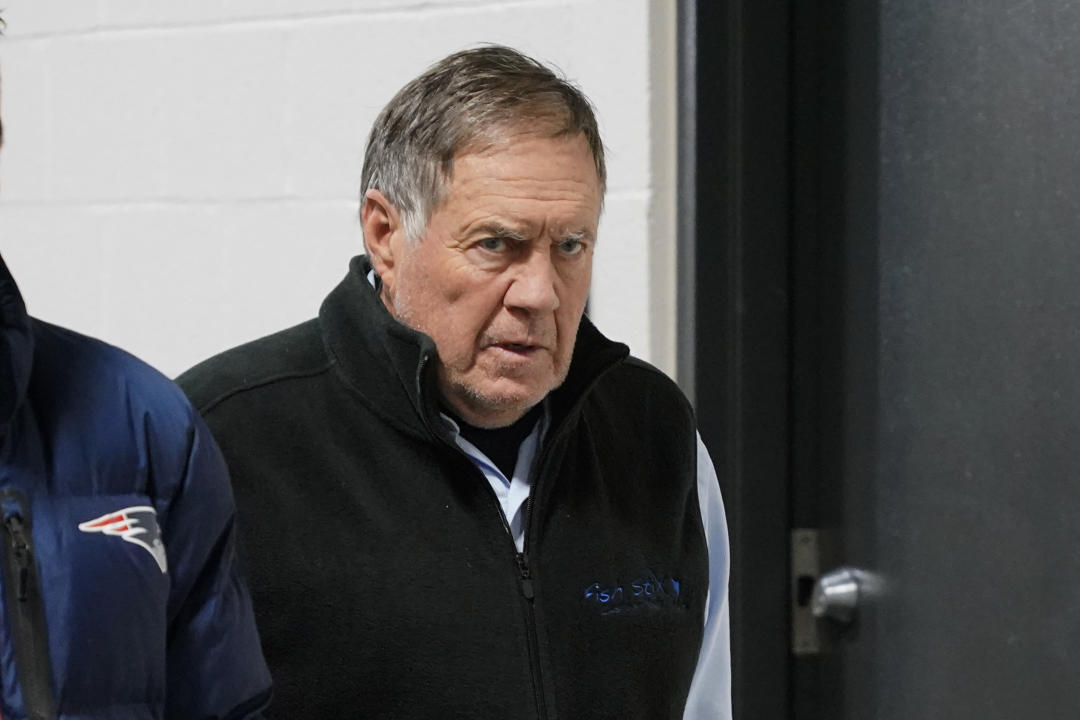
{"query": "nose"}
(532, 288)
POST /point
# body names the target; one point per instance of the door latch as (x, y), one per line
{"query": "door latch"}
(811, 550)
(824, 603)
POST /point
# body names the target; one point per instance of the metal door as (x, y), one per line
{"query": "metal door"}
(955, 431)
(881, 266)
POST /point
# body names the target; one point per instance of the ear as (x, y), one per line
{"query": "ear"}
(384, 235)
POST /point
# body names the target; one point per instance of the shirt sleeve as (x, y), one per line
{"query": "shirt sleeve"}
(710, 691)
(215, 667)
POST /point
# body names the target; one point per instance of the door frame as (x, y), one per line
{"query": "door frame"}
(734, 250)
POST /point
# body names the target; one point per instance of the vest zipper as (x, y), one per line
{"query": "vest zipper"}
(534, 644)
(525, 581)
(540, 463)
(26, 610)
(520, 558)
(526, 578)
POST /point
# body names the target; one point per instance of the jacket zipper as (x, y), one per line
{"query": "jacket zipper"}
(26, 611)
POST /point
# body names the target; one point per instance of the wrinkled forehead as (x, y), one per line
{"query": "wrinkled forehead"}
(524, 186)
(498, 138)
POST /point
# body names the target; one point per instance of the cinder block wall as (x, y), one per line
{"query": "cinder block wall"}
(179, 177)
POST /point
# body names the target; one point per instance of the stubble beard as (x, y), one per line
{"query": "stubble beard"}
(490, 409)
(482, 408)
(454, 387)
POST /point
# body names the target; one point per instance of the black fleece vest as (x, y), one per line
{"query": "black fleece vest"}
(384, 580)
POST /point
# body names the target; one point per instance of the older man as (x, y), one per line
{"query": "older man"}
(457, 498)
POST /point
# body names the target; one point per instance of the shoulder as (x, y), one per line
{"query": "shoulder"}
(84, 374)
(636, 406)
(276, 359)
(108, 415)
(638, 389)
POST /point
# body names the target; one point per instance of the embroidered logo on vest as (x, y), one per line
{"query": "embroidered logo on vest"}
(651, 590)
(136, 525)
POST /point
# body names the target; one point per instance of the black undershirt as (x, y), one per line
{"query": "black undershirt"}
(501, 445)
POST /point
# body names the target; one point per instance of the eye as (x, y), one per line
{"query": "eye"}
(571, 246)
(494, 244)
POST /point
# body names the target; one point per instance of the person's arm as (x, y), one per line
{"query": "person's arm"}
(215, 667)
(710, 691)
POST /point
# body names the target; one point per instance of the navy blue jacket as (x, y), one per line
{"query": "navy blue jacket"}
(121, 597)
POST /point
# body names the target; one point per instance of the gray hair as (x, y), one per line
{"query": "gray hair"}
(465, 98)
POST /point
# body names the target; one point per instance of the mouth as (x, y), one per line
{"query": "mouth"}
(519, 348)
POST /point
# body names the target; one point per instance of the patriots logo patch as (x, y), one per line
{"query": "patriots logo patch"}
(137, 525)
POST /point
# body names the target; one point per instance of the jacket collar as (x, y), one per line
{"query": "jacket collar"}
(392, 367)
(16, 349)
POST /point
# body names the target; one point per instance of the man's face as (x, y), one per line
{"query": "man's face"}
(500, 279)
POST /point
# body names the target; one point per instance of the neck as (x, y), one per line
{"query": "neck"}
(501, 444)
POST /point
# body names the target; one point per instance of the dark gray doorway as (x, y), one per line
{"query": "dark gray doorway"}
(881, 233)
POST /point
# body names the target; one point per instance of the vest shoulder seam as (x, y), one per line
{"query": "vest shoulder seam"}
(262, 382)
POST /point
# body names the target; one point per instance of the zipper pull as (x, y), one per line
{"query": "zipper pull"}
(526, 577)
(21, 547)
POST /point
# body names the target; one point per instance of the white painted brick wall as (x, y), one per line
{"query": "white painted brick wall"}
(179, 177)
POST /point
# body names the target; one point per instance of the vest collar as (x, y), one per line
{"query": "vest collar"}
(392, 367)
